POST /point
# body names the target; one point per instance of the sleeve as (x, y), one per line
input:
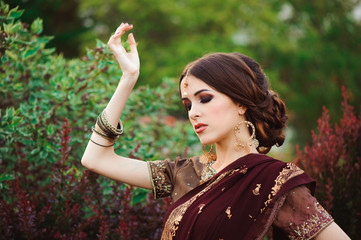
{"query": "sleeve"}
(161, 174)
(301, 216)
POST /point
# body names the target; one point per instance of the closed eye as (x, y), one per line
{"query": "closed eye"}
(205, 99)
(188, 106)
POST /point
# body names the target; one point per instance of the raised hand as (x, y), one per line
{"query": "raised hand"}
(128, 61)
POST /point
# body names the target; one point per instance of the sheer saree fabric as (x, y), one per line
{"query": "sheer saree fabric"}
(240, 202)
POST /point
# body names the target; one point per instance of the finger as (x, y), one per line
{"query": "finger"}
(116, 38)
(123, 28)
(132, 43)
(118, 28)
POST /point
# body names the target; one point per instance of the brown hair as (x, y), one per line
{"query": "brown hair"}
(242, 79)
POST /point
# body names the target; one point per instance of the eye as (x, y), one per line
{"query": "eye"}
(205, 99)
(187, 105)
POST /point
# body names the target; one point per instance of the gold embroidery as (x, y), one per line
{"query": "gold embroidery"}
(175, 217)
(207, 172)
(312, 226)
(288, 172)
(256, 190)
(201, 208)
(228, 212)
(162, 187)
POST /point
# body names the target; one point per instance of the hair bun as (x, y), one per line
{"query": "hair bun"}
(270, 121)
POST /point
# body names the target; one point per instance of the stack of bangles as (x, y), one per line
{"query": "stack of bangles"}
(104, 129)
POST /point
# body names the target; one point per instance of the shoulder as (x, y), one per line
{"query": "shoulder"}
(181, 163)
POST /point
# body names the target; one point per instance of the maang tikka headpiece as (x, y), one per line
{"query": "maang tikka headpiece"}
(185, 84)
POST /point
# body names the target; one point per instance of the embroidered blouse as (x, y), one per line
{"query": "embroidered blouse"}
(298, 214)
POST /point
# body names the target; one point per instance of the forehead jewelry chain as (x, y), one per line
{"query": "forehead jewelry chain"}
(185, 84)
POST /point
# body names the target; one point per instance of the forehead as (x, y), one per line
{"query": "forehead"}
(193, 84)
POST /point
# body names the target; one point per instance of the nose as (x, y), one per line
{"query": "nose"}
(194, 113)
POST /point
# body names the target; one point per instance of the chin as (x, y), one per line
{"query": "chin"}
(205, 141)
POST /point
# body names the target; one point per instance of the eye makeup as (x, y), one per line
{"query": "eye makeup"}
(206, 98)
(203, 98)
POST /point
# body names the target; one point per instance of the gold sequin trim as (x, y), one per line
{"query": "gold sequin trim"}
(175, 217)
(228, 212)
(256, 190)
(201, 206)
(288, 172)
(162, 187)
(312, 226)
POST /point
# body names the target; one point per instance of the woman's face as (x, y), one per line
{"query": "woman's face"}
(212, 114)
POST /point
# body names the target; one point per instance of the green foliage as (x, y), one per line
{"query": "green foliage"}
(48, 105)
(313, 50)
(307, 48)
(39, 89)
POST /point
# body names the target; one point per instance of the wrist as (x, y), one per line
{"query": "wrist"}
(129, 79)
(131, 75)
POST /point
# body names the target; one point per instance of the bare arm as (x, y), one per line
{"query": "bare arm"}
(333, 231)
(104, 160)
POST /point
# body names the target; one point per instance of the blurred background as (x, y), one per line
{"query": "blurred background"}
(57, 75)
(308, 49)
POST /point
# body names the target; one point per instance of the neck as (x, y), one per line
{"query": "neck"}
(226, 154)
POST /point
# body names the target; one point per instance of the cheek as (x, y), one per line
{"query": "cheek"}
(224, 112)
(218, 110)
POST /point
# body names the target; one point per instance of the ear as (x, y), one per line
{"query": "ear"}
(242, 110)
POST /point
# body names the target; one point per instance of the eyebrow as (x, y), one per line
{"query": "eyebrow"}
(198, 92)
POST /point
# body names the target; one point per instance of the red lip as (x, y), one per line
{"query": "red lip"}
(200, 127)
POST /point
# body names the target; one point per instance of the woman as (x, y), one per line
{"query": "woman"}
(235, 193)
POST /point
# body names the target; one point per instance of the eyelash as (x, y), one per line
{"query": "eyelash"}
(203, 100)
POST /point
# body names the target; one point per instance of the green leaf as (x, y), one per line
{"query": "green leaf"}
(11, 55)
(43, 154)
(4, 59)
(15, 28)
(30, 52)
(44, 39)
(48, 51)
(14, 13)
(9, 114)
(139, 195)
(34, 121)
(37, 26)
(50, 130)
(35, 151)
(100, 44)
(6, 177)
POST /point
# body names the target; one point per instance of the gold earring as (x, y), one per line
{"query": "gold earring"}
(208, 157)
(252, 141)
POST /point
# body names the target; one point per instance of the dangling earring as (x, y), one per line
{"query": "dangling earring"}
(252, 141)
(208, 157)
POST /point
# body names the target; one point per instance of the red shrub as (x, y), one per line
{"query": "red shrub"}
(71, 205)
(333, 160)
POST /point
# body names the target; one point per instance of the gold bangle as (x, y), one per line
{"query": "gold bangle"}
(101, 144)
(103, 135)
(108, 125)
(105, 129)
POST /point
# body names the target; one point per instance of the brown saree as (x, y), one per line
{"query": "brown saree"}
(240, 202)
